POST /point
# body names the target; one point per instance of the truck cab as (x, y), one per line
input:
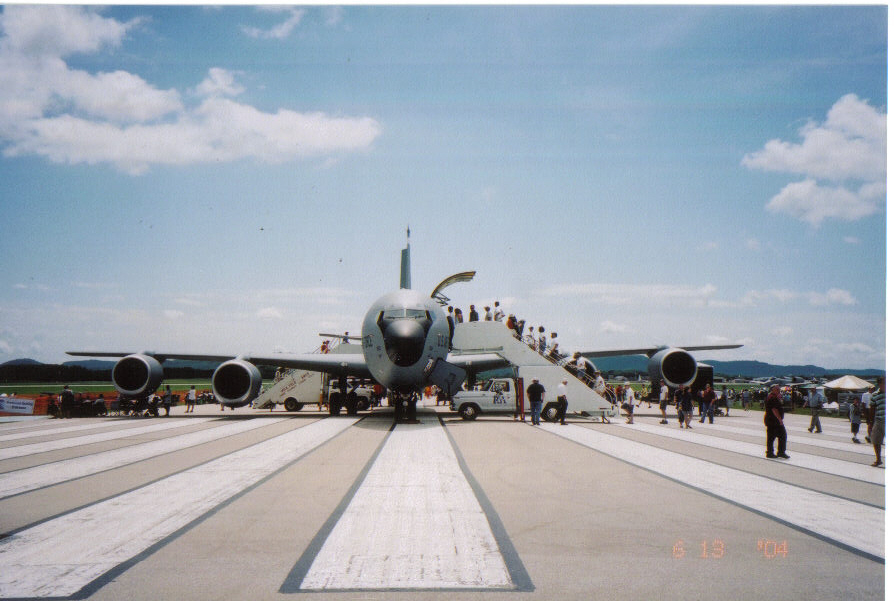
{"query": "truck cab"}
(497, 395)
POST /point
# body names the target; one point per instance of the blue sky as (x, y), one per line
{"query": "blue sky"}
(238, 179)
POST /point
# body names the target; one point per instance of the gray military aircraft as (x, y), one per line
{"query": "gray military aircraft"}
(404, 346)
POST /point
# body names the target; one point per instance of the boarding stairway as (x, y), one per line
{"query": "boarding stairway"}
(296, 387)
(495, 337)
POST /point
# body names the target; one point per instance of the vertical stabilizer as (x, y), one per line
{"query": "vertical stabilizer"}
(405, 264)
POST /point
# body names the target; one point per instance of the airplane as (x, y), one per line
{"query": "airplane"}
(404, 346)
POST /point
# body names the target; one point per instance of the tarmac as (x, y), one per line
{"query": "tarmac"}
(275, 505)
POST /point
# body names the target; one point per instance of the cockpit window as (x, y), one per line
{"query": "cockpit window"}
(408, 313)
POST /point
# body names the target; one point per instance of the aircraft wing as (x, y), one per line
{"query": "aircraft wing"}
(351, 364)
(654, 349)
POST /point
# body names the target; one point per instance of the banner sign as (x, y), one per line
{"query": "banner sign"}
(11, 404)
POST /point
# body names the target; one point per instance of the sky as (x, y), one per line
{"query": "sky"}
(239, 179)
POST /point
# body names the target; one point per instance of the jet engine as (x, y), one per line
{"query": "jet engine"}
(236, 383)
(137, 375)
(675, 366)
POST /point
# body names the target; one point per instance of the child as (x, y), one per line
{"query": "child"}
(856, 412)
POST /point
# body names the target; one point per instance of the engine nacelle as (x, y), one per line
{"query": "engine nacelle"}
(236, 383)
(137, 375)
(675, 366)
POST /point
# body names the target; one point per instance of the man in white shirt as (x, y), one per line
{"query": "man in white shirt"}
(662, 401)
(629, 398)
(562, 392)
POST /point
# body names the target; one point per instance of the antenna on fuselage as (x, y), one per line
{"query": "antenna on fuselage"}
(405, 264)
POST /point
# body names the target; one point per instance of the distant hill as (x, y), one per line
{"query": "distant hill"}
(745, 369)
(21, 362)
(102, 365)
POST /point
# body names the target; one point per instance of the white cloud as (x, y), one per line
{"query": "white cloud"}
(219, 82)
(783, 331)
(811, 202)
(833, 296)
(59, 30)
(852, 240)
(269, 313)
(71, 116)
(610, 327)
(843, 159)
(281, 30)
(753, 244)
(622, 294)
(173, 314)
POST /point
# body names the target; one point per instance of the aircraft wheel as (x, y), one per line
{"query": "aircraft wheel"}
(550, 412)
(292, 404)
(362, 403)
(469, 412)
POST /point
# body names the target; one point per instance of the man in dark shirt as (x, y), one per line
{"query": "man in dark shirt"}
(773, 420)
(709, 398)
(66, 401)
(535, 400)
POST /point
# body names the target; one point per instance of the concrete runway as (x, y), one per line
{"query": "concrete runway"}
(253, 504)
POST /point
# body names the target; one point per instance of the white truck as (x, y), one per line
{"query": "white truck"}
(497, 395)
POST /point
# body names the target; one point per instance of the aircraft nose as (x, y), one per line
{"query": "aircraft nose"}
(404, 341)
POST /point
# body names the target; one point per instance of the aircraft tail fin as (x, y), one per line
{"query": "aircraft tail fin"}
(405, 264)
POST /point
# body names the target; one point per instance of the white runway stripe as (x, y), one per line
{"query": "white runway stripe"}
(837, 467)
(36, 432)
(17, 482)
(66, 443)
(61, 556)
(414, 523)
(852, 524)
(825, 441)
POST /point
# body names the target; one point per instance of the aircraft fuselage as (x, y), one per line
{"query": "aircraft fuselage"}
(404, 334)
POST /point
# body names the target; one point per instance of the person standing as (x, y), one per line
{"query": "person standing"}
(66, 402)
(663, 393)
(562, 392)
(498, 312)
(166, 400)
(815, 401)
(450, 326)
(473, 314)
(191, 400)
(488, 316)
(629, 399)
(866, 400)
(458, 315)
(686, 406)
(773, 416)
(877, 436)
(535, 400)
(709, 398)
(855, 414)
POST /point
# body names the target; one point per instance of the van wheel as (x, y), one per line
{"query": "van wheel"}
(292, 404)
(469, 412)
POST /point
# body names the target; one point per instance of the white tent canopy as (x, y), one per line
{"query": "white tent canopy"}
(849, 383)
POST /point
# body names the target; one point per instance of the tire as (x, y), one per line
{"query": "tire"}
(469, 412)
(550, 412)
(362, 403)
(292, 405)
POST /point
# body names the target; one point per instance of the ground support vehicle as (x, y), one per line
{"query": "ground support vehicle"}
(527, 364)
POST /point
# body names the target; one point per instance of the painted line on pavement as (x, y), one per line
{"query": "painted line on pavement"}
(823, 441)
(62, 556)
(836, 467)
(413, 524)
(853, 526)
(48, 474)
(67, 443)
